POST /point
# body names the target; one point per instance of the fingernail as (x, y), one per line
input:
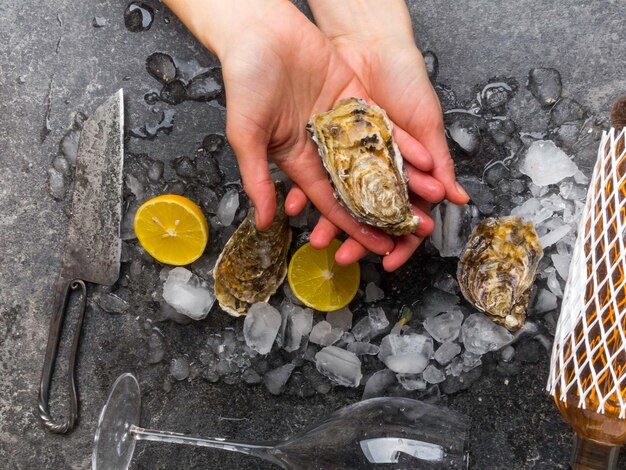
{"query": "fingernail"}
(460, 189)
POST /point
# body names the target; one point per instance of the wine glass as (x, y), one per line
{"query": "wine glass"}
(376, 433)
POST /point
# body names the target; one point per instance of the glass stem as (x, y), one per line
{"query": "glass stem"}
(257, 449)
(591, 455)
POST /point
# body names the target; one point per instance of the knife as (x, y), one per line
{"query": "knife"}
(92, 244)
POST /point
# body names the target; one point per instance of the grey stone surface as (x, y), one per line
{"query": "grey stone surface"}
(51, 49)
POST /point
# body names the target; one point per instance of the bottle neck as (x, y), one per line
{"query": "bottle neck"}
(591, 455)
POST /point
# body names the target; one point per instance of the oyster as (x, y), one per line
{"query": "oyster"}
(497, 270)
(253, 264)
(357, 148)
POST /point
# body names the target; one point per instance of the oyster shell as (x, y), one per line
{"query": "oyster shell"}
(253, 264)
(497, 270)
(356, 144)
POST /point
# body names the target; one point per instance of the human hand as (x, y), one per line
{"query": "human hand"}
(278, 70)
(376, 41)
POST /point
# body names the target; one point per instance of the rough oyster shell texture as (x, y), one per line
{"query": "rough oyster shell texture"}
(357, 148)
(497, 270)
(253, 264)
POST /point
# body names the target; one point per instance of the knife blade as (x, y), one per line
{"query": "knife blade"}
(92, 244)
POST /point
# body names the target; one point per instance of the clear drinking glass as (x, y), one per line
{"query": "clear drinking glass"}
(377, 433)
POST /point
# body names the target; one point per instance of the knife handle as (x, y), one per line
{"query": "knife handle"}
(61, 302)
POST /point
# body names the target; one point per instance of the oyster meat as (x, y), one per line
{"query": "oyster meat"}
(357, 148)
(253, 264)
(497, 270)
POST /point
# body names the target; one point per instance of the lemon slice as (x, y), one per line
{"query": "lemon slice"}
(172, 229)
(319, 282)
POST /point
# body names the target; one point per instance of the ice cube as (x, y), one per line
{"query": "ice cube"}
(465, 133)
(340, 319)
(570, 191)
(566, 110)
(481, 335)
(406, 354)
(545, 302)
(155, 172)
(445, 326)
(435, 301)
(228, 207)
(378, 383)
(340, 366)
(481, 195)
(261, 326)
(250, 376)
(411, 381)
(378, 319)
(561, 263)
(433, 375)
(447, 283)
(179, 368)
(298, 323)
(546, 164)
(507, 353)
(446, 352)
(324, 334)
(188, 294)
(554, 285)
(554, 236)
(545, 85)
(361, 349)
(471, 361)
(276, 379)
(532, 211)
(373, 293)
(453, 225)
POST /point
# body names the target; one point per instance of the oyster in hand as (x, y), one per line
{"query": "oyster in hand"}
(497, 270)
(357, 148)
(253, 264)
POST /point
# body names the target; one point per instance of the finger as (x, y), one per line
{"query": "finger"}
(350, 252)
(295, 201)
(323, 233)
(405, 247)
(433, 138)
(307, 172)
(251, 151)
(424, 185)
(426, 225)
(412, 150)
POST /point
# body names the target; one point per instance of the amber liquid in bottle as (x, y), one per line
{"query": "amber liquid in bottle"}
(594, 353)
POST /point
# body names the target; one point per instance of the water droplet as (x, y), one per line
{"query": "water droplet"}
(138, 17)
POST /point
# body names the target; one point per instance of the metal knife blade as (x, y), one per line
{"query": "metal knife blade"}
(93, 246)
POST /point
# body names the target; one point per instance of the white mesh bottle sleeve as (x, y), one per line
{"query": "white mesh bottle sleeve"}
(588, 365)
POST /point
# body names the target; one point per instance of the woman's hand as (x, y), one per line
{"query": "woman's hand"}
(376, 40)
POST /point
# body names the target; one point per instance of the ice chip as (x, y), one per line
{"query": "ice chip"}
(378, 383)
(446, 352)
(545, 85)
(324, 334)
(561, 263)
(373, 293)
(261, 326)
(111, 303)
(546, 164)
(406, 354)
(340, 366)
(276, 379)
(228, 207)
(433, 375)
(544, 302)
(411, 381)
(298, 325)
(378, 319)
(179, 368)
(453, 225)
(340, 319)
(481, 335)
(362, 349)
(190, 296)
(410, 363)
(435, 301)
(532, 211)
(554, 236)
(156, 349)
(445, 326)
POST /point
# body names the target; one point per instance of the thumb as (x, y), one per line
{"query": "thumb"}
(251, 154)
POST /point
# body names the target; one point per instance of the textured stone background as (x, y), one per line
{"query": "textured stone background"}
(514, 426)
